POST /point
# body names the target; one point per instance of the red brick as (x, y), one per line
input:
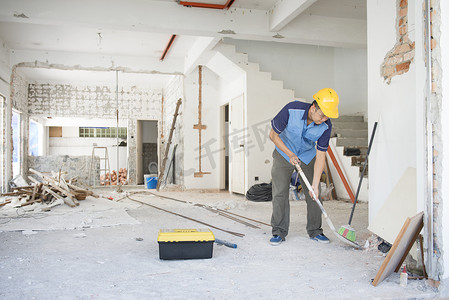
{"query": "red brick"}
(402, 30)
(433, 43)
(403, 67)
(404, 3)
(402, 12)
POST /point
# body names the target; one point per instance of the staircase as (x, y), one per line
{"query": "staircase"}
(352, 131)
(352, 134)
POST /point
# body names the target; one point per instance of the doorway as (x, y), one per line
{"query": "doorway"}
(237, 145)
(148, 158)
(225, 145)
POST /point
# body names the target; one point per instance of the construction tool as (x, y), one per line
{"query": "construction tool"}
(347, 231)
(225, 243)
(329, 222)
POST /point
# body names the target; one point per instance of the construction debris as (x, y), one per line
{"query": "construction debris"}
(122, 177)
(46, 190)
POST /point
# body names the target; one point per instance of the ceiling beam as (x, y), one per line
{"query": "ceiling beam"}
(171, 18)
(284, 11)
(227, 5)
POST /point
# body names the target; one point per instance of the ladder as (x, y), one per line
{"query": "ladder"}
(104, 167)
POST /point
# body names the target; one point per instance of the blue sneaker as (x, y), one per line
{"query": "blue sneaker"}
(276, 240)
(321, 238)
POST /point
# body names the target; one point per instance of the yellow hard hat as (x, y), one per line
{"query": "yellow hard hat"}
(327, 100)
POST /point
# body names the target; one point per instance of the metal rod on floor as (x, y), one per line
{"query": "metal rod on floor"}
(205, 206)
(188, 218)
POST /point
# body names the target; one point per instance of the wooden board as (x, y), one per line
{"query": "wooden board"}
(401, 246)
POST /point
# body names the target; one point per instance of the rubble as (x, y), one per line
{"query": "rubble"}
(45, 189)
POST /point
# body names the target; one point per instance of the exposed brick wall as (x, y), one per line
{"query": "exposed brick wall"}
(398, 60)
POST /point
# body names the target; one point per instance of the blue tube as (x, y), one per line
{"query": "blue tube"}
(226, 243)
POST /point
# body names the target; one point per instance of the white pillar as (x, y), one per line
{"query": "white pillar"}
(444, 44)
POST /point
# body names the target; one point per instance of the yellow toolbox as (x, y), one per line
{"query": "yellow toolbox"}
(185, 243)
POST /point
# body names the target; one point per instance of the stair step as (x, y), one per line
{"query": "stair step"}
(349, 119)
(363, 150)
(360, 133)
(352, 142)
(350, 125)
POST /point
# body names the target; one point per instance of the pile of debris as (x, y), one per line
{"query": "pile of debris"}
(46, 190)
(111, 178)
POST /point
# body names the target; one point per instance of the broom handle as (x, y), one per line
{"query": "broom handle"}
(303, 176)
(363, 172)
(328, 220)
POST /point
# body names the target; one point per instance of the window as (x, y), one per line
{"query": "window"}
(103, 132)
(16, 132)
(35, 140)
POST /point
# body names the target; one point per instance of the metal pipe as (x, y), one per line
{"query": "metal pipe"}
(169, 44)
(207, 5)
(116, 133)
(429, 145)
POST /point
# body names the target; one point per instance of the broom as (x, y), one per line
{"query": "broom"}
(347, 231)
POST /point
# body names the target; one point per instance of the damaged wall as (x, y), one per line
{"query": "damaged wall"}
(396, 106)
(173, 91)
(5, 72)
(443, 47)
(64, 100)
(19, 101)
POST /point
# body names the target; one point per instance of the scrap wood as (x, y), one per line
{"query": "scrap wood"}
(55, 185)
(22, 187)
(31, 202)
(66, 200)
(78, 189)
(6, 202)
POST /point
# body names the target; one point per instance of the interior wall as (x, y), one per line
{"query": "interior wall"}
(307, 69)
(149, 134)
(90, 101)
(5, 104)
(392, 105)
(19, 102)
(444, 44)
(265, 99)
(351, 80)
(173, 91)
(210, 137)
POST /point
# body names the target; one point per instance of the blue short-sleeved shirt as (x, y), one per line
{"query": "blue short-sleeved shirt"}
(302, 139)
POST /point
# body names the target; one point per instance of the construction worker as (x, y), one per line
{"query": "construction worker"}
(300, 132)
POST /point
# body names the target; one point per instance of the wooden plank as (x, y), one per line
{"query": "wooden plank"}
(78, 189)
(6, 202)
(401, 246)
(167, 146)
(55, 185)
(66, 200)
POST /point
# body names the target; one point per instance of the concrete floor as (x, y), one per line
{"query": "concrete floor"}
(106, 249)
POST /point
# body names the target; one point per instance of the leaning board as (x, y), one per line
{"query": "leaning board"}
(401, 246)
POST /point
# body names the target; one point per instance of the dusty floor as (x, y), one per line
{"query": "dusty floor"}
(106, 249)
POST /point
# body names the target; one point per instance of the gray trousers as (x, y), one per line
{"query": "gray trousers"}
(281, 174)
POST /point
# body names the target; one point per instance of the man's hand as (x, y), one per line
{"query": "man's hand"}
(316, 190)
(294, 160)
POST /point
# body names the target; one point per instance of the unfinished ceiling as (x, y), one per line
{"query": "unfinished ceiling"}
(139, 30)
